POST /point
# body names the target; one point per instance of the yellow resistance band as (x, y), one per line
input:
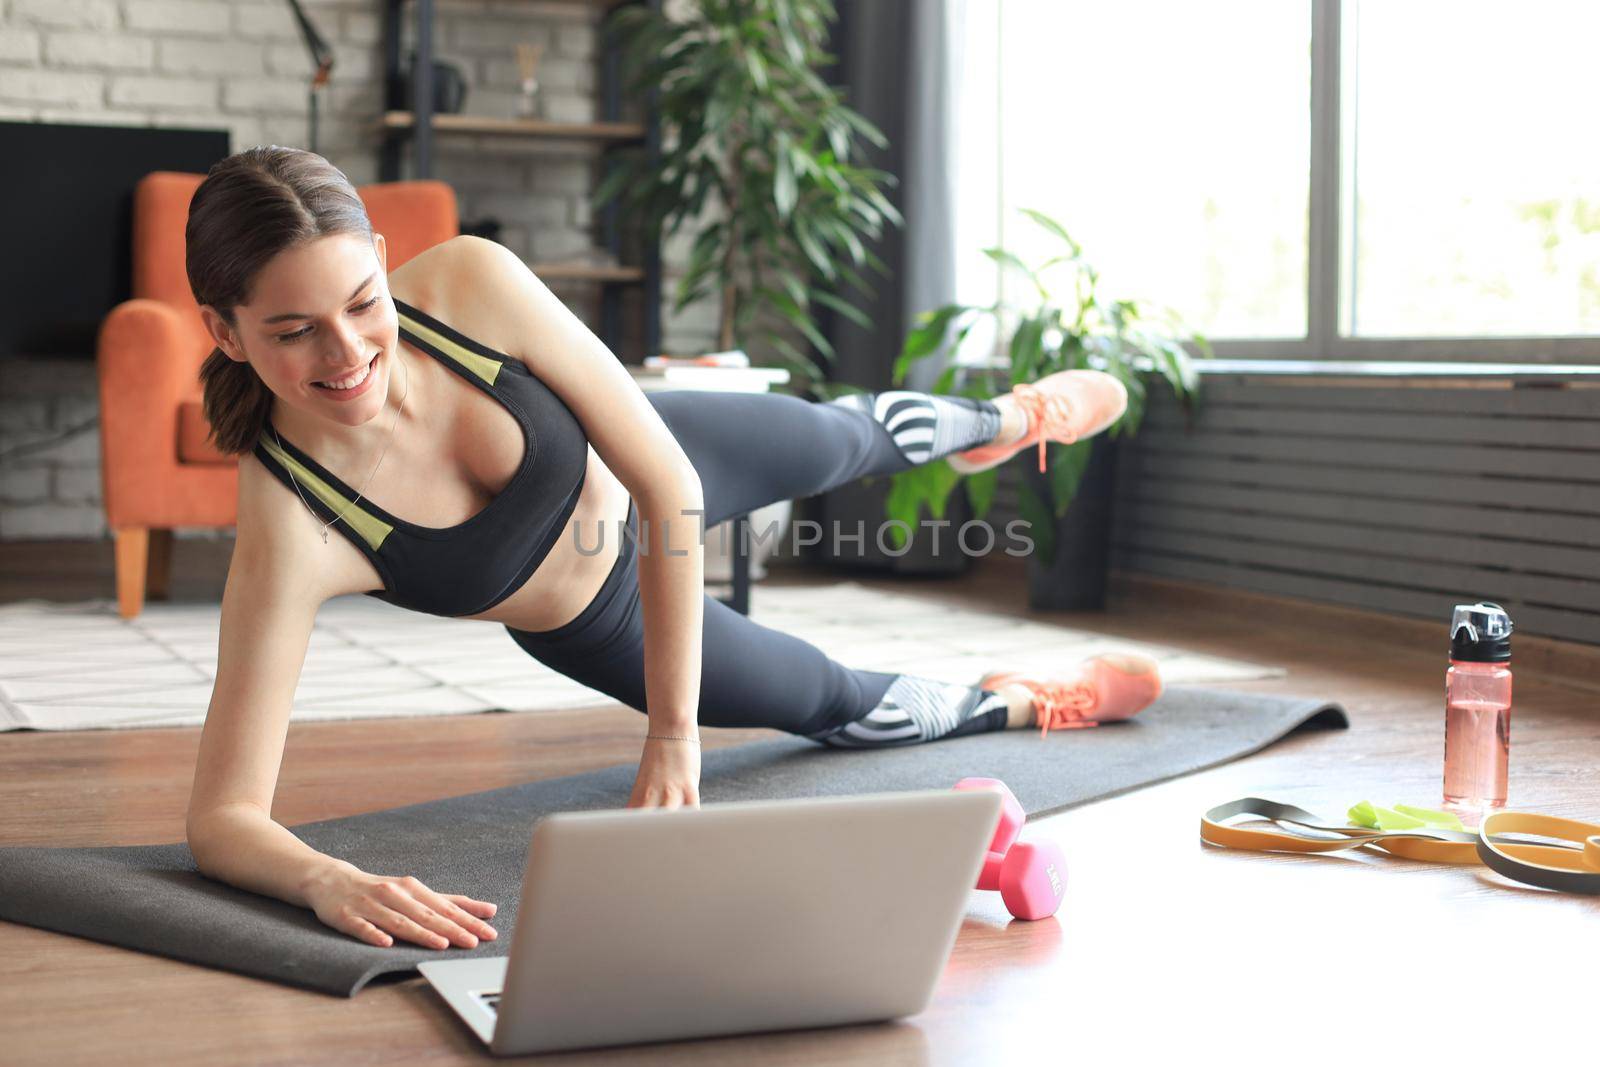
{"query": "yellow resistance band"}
(1573, 868)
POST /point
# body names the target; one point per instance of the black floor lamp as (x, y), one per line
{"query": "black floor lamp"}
(321, 59)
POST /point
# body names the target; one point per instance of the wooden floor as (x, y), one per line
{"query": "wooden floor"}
(1165, 949)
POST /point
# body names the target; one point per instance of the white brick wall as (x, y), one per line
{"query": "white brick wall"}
(265, 95)
(51, 87)
(576, 41)
(25, 485)
(86, 14)
(556, 75)
(495, 35)
(98, 51)
(240, 65)
(265, 23)
(77, 485)
(191, 18)
(186, 56)
(19, 46)
(52, 521)
(362, 28)
(51, 492)
(167, 94)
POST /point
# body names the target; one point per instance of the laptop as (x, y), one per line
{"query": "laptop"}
(641, 925)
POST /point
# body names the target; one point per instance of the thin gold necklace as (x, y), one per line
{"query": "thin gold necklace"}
(392, 427)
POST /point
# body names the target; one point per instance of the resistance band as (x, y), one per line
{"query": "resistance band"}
(1573, 867)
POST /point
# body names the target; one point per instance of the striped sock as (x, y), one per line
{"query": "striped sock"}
(925, 426)
(913, 710)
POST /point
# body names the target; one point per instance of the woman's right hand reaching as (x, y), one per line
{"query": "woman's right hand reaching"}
(378, 909)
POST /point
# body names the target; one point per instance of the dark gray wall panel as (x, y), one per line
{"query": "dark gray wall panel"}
(1402, 496)
(1506, 491)
(1501, 521)
(1466, 457)
(1572, 625)
(1362, 534)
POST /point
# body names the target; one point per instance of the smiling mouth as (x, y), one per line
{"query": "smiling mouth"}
(349, 381)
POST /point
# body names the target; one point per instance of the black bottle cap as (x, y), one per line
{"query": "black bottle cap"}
(1480, 633)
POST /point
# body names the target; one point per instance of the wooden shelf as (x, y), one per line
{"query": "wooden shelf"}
(582, 272)
(613, 132)
(407, 128)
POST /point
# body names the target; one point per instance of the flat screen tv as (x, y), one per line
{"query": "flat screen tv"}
(66, 216)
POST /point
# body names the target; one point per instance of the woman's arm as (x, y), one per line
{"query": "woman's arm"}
(268, 607)
(672, 597)
(531, 323)
(671, 594)
(277, 579)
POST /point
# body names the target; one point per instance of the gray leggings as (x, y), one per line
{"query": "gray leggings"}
(749, 449)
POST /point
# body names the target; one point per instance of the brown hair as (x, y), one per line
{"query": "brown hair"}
(251, 206)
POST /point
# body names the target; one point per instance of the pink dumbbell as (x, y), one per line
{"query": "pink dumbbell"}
(1005, 832)
(1031, 876)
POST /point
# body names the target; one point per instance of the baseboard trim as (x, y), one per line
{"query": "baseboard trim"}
(1569, 663)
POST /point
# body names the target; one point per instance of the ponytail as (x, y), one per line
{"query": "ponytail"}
(237, 403)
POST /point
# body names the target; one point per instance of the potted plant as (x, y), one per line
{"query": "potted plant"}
(1068, 507)
(748, 127)
(757, 157)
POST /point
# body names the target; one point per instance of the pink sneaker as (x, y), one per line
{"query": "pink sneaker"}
(1065, 407)
(1104, 688)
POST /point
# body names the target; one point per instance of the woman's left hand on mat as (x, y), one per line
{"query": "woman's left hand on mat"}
(669, 775)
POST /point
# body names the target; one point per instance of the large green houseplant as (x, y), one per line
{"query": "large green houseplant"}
(749, 126)
(1063, 323)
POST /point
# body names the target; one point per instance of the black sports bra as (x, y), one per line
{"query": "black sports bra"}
(470, 567)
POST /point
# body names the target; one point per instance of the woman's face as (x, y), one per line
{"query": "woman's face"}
(319, 317)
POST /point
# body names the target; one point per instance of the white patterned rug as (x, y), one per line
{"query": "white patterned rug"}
(81, 667)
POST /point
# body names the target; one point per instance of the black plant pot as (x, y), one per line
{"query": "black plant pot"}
(1075, 580)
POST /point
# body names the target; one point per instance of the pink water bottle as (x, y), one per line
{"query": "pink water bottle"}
(1477, 711)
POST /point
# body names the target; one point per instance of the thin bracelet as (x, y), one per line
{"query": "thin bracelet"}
(663, 737)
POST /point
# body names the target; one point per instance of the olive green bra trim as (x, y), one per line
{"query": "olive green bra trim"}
(482, 366)
(371, 529)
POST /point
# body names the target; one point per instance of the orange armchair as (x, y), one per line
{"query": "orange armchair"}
(157, 468)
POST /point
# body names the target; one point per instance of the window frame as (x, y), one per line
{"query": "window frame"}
(1330, 185)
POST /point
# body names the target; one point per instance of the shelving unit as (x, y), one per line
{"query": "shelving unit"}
(614, 132)
(418, 124)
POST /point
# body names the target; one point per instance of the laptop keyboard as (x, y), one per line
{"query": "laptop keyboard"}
(490, 1001)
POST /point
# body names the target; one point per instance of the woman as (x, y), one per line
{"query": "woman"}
(465, 397)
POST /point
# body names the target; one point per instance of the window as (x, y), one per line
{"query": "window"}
(1297, 178)
(1474, 176)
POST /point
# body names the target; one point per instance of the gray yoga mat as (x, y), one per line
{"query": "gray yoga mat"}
(150, 897)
